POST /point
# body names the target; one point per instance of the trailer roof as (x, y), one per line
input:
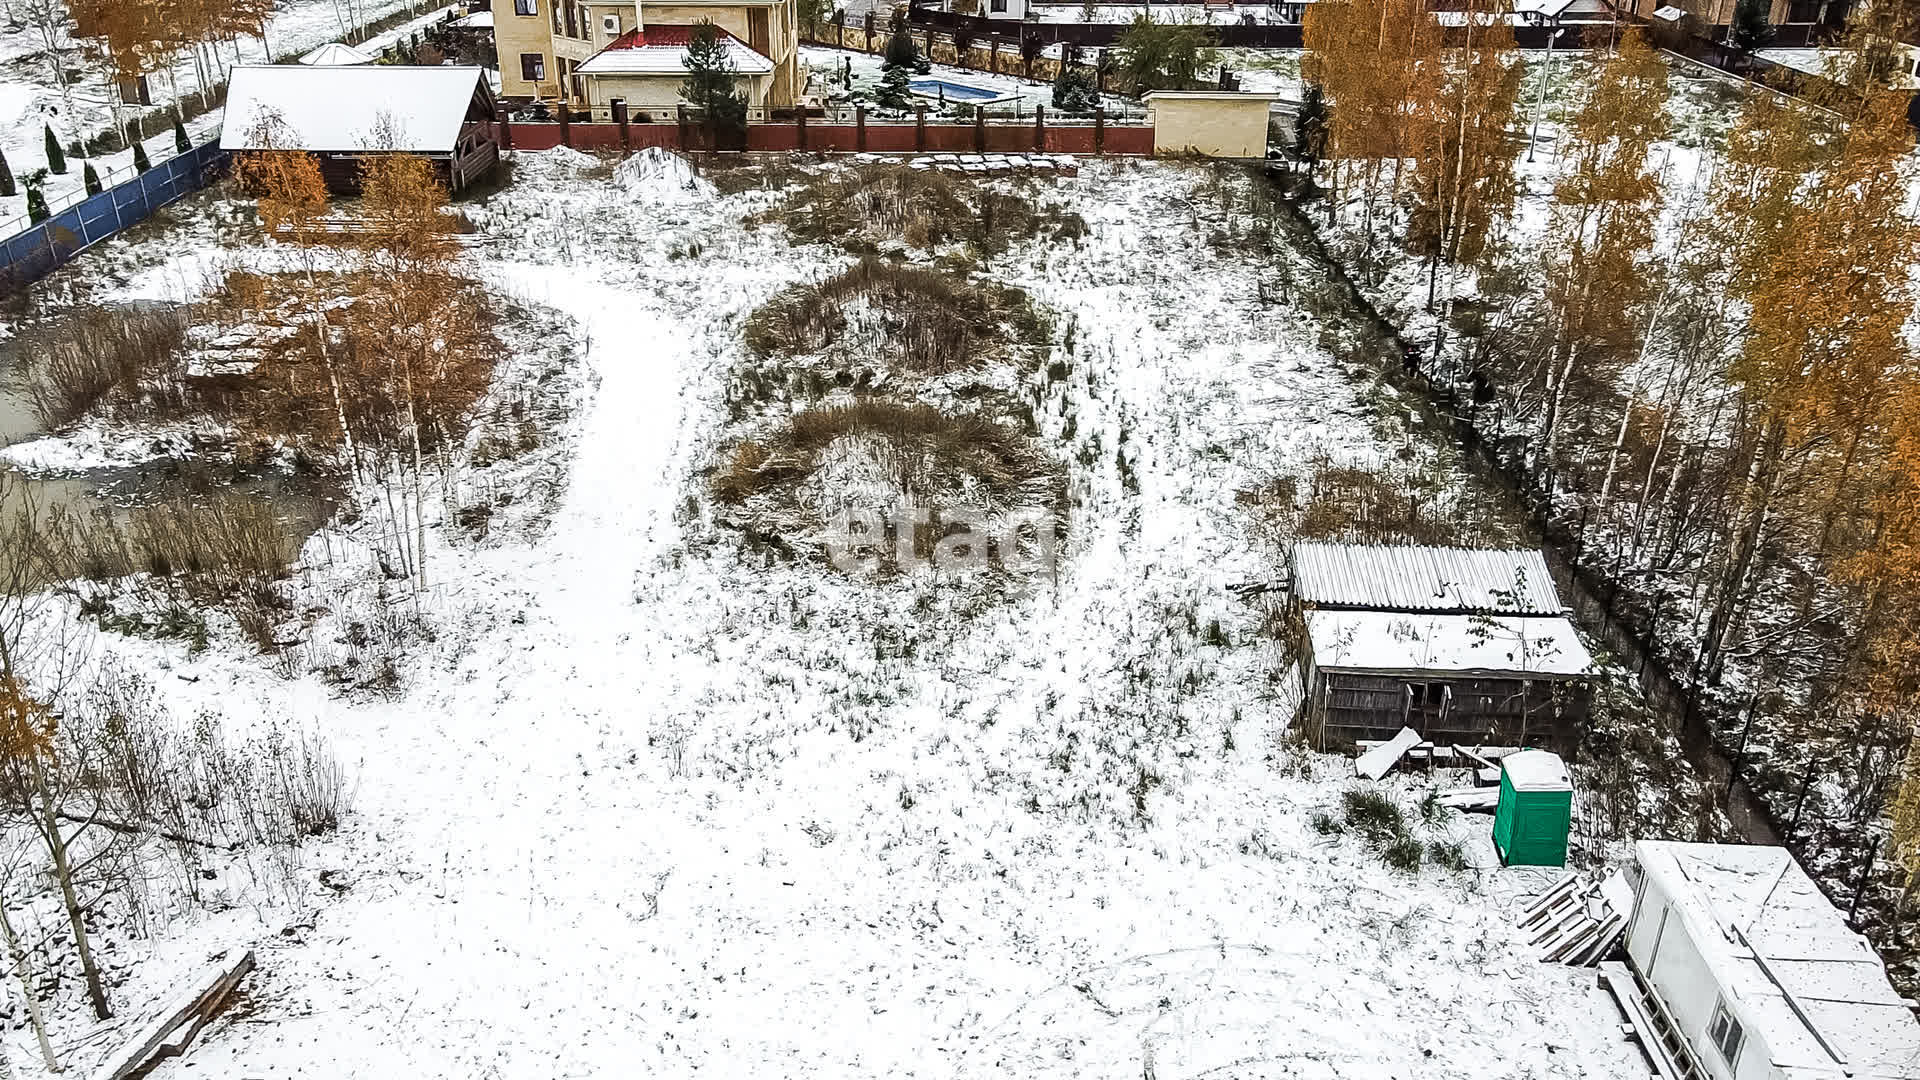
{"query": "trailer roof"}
(1803, 982)
(1443, 644)
(1407, 578)
(342, 109)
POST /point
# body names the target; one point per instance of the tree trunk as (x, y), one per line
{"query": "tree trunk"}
(1758, 499)
(17, 956)
(63, 872)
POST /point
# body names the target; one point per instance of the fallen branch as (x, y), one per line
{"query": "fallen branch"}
(132, 829)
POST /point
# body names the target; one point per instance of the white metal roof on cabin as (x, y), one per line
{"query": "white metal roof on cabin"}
(1833, 975)
(1441, 643)
(1407, 578)
(331, 109)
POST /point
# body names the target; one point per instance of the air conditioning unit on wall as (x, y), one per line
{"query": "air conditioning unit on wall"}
(611, 24)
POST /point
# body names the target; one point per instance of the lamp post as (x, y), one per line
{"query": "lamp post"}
(1540, 102)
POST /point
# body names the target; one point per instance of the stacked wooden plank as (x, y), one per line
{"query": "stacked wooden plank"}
(1577, 921)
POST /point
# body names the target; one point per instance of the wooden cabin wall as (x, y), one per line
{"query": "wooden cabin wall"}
(1349, 707)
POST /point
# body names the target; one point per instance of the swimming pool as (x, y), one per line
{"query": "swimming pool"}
(963, 93)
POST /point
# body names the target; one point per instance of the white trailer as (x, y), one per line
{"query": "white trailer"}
(1758, 975)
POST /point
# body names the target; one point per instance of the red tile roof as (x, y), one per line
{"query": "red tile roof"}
(674, 37)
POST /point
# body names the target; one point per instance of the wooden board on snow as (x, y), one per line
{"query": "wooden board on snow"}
(1380, 760)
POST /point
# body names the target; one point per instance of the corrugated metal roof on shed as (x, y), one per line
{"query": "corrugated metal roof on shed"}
(1405, 578)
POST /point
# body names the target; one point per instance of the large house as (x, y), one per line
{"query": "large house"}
(589, 52)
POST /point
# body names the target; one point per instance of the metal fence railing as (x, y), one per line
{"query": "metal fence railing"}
(30, 254)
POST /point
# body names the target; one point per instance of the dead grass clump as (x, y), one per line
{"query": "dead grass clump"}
(105, 356)
(949, 452)
(871, 205)
(1377, 504)
(917, 320)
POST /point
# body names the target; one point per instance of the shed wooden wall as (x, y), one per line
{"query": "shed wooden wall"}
(1346, 707)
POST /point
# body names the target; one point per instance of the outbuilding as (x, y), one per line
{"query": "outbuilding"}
(1463, 646)
(1211, 123)
(1741, 957)
(342, 114)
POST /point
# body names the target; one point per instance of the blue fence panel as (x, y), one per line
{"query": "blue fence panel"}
(31, 255)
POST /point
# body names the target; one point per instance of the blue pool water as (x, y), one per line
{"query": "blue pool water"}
(953, 91)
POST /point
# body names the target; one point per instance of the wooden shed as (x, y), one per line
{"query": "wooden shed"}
(1746, 972)
(1462, 646)
(341, 114)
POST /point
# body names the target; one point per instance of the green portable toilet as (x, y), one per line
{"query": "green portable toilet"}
(1535, 811)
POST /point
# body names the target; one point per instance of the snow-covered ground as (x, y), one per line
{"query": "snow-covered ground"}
(651, 804)
(30, 101)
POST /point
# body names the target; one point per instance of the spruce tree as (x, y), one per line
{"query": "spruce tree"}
(180, 141)
(37, 206)
(7, 186)
(710, 87)
(56, 157)
(140, 162)
(1073, 90)
(92, 179)
(1310, 126)
(1751, 30)
(899, 60)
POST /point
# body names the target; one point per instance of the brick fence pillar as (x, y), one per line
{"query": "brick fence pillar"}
(800, 126)
(860, 127)
(566, 133)
(1039, 127)
(979, 129)
(920, 129)
(506, 131)
(1099, 129)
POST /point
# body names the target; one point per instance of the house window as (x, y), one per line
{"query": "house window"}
(573, 31)
(558, 27)
(526, 7)
(586, 22)
(1725, 1032)
(533, 66)
(997, 6)
(1430, 694)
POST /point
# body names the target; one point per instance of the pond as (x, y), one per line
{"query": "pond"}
(302, 503)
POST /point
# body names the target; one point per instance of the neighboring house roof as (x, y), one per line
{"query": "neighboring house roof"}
(662, 50)
(1800, 979)
(1409, 644)
(334, 54)
(479, 20)
(1407, 578)
(333, 109)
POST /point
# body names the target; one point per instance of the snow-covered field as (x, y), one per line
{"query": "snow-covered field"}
(651, 803)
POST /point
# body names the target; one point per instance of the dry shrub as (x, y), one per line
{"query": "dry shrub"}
(198, 781)
(921, 320)
(885, 203)
(1388, 503)
(216, 549)
(104, 355)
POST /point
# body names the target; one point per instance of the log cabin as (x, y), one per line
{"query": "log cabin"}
(342, 114)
